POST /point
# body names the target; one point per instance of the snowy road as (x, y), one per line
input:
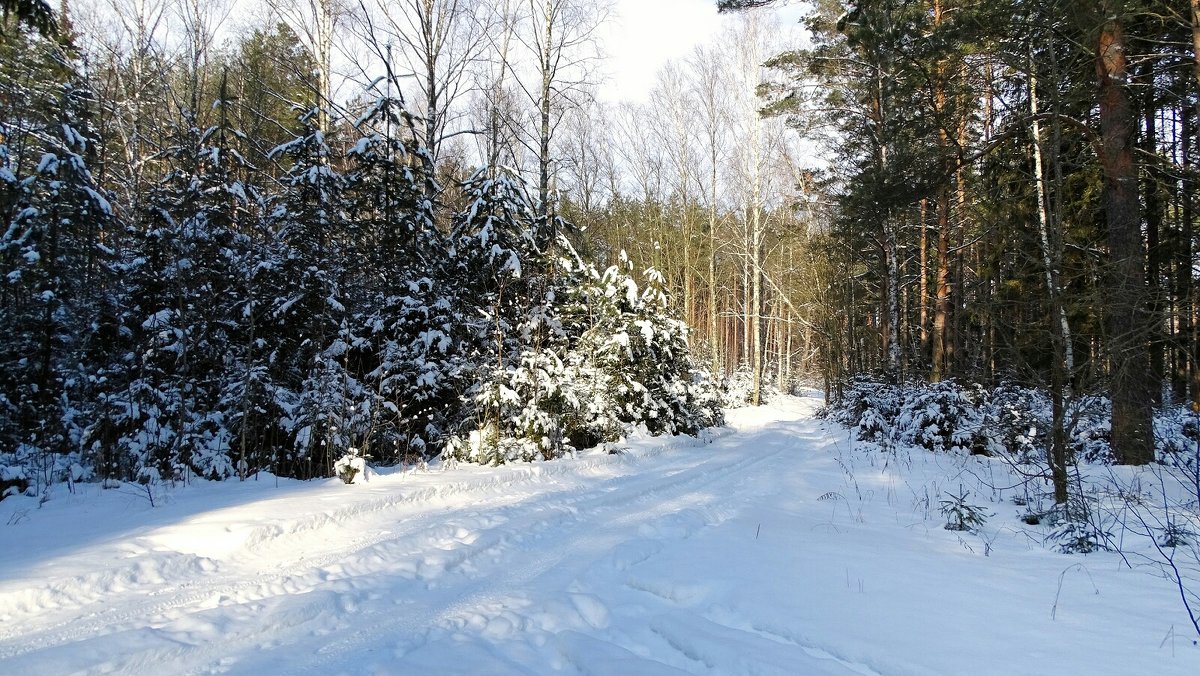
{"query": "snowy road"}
(774, 549)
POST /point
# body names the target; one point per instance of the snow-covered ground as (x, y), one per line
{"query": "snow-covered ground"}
(775, 547)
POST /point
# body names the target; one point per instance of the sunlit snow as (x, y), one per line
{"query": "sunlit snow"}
(775, 546)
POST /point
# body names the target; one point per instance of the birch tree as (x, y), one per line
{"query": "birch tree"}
(128, 38)
(708, 84)
(200, 20)
(561, 37)
(316, 23)
(440, 42)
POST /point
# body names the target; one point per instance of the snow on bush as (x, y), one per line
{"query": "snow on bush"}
(737, 388)
(350, 466)
(869, 406)
(941, 417)
(567, 357)
(1009, 420)
(1016, 422)
(1089, 428)
(1177, 436)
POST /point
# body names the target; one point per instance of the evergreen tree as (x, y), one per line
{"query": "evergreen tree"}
(272, 74)
(34, 13)
(633, 354)
(187, 283)
(56, 272)
(307, 324)
(503, 281)
(564, 358)
(408, 356)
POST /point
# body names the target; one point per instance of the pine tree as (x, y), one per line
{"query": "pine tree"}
(565, 357)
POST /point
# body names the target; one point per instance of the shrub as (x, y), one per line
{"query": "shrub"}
(1016, 423)
(960, 514)
(941, 417)
(869, 406)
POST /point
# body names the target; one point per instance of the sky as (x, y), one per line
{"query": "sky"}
(644, 34)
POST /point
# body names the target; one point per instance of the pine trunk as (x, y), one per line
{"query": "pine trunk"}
(1132, 442)
(942, 350)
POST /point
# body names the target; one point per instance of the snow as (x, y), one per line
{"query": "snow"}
(48, 164)
(160, 318)
(775, 546)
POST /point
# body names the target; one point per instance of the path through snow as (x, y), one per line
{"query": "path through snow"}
(775, 548)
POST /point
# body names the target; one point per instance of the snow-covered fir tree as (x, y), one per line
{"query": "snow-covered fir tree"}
(641, 356)
(566, 357)
(406, 353)
(187, 281)
(56, 275)
(308, 323)
(224, 331)
(506, 284)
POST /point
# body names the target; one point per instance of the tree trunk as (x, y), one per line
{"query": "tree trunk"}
(891, 332)
(1184, 263)
(923, 283)
(756, 253)
(544, 112)
(1196, 48)
(744, 357)
(1154, 219)
(1060, 330)
(1192, 326)
(324, 35)
(1132, 441)
(497, 96)
(712, 275)
(942, 350)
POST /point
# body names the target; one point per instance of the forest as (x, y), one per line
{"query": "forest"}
(399, 229)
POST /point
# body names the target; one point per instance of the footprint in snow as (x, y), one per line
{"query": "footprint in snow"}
(629, 554)
(676, 526)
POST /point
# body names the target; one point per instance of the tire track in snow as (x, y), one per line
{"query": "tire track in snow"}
(581, 505)
(17, 636)
(365, 566)
(73, 592)
(304, 575)
(643, 488)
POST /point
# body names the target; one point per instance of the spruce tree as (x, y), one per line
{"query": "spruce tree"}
(408, 357)
(186, 286)
(507, 292)
(307, 323)
(56, 272)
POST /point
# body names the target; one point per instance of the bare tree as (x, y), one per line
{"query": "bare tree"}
(127, 38)
(676, 102)
(708, 83)
(561, 36)
(316, 22)
(200, 20)
(440, 41)
(583, 147)
(750, 52)
(496, 110)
